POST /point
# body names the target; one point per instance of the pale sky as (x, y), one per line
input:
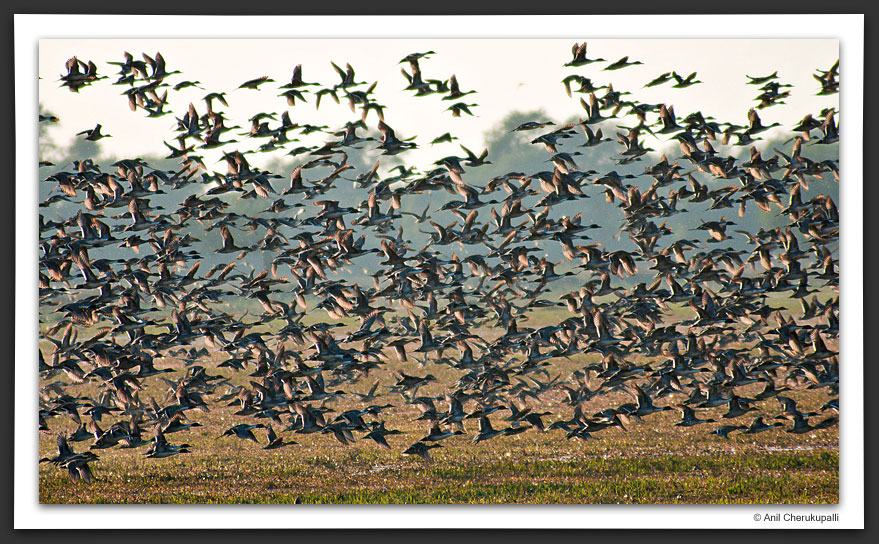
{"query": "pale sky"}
(523, 75)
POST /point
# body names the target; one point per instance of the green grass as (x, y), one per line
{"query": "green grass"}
(654, 462)
(802, 477)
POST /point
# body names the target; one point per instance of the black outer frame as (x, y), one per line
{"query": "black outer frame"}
(447, 7)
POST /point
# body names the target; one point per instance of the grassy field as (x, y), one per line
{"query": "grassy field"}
(653, 462)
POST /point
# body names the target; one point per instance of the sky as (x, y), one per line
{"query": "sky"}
(508, 75)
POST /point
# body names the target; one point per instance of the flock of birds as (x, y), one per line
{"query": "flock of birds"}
(121, 277)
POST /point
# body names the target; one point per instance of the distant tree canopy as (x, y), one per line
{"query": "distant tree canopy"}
(509, 151)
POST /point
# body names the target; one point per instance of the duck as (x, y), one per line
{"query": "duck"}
(455, 91)
(689, 417)
(659, 80)
(255, 83)
(758, 426)
(486, 431)
(579, 53)
(738, 407)
(684, 82)
(176, 424)
(273, 440)
(93, 135)
(421, 449)
(160, 448)
(244, 431)
(378, 434)
(622, 63)
(760, 80)
(725, 430)
(436, 434)
(461, 107)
